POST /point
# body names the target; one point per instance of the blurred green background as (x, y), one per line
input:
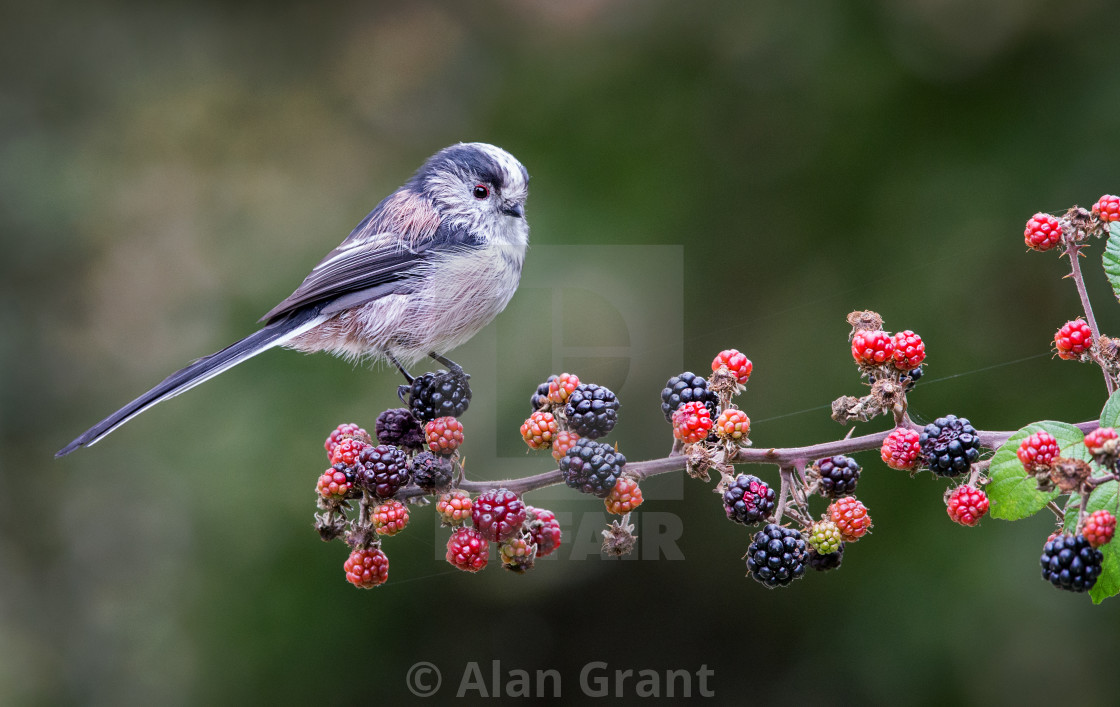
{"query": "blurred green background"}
(169, 171)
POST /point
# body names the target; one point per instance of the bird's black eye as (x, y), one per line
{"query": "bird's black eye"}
(480, 191)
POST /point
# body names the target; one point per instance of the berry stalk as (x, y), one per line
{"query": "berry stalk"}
(1073, 250)
(785, 457)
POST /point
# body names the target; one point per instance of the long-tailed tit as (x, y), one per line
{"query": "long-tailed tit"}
(435, 262)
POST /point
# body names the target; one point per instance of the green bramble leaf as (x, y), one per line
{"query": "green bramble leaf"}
(1108, 584)
(1104, 496)
(1107, 497)
(1013, 494)
(1111, 257)
(1110, 415)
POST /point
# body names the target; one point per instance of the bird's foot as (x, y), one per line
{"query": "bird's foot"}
(452, 367)
(393, 360)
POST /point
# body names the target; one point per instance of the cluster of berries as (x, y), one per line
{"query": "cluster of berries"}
(948, 446)
(404, 452)
(846, 519)
(891, 364)
(568, 417)
(415, 445)
(523, 533)
(700, 409)
(1074, 340)
(874, 349)
(1072, 561)
(1045, 231)
(564, 410)
(778, 555)
(358, 466)
(375, 473)
(709, 426)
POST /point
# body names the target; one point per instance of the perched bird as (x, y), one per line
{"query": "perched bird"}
(435, 262)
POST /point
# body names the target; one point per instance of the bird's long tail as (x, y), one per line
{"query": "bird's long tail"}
(202, 370)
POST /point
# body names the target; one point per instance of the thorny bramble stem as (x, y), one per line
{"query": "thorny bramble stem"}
(1073, 250)
(1059, 514)
(1098, 480)
(787, 457)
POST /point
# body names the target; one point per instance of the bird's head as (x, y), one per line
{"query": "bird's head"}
(478, 186)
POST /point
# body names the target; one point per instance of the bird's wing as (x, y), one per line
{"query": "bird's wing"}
(348, 271)
(379, 257)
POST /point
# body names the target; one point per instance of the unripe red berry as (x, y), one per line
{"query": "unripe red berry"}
(1037, 450)
(1073, 339)
(389, 518)
(347, 430)
(347, 451)
(443, 435)
(1099, 528)
(1107, 208)
(467, 550)
(624, 497)
(692, 422)
(539, 430)
(564, 440)
(498, 514)
(872, 348)
(736, 363)
(967, 505)
(851, 517)
(561, 387)
(454, 507)
(1043, 232)
(335, 483)
(1101, 442)
(901, 449)
(366, 568)
(909, 351)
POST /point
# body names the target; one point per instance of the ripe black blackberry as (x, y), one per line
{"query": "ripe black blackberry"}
(686, 388)
(592, 467)
(431, 472)
(824, 563)
(1069, 562)
(777, 556)
(382, 470)
(592, 410)
(748, 500)
(949, 445)
(910, 378)
(439, 394)
(540, 398)
(400, 428)
(838, 476)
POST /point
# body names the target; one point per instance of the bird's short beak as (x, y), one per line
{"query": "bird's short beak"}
(514, 209)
